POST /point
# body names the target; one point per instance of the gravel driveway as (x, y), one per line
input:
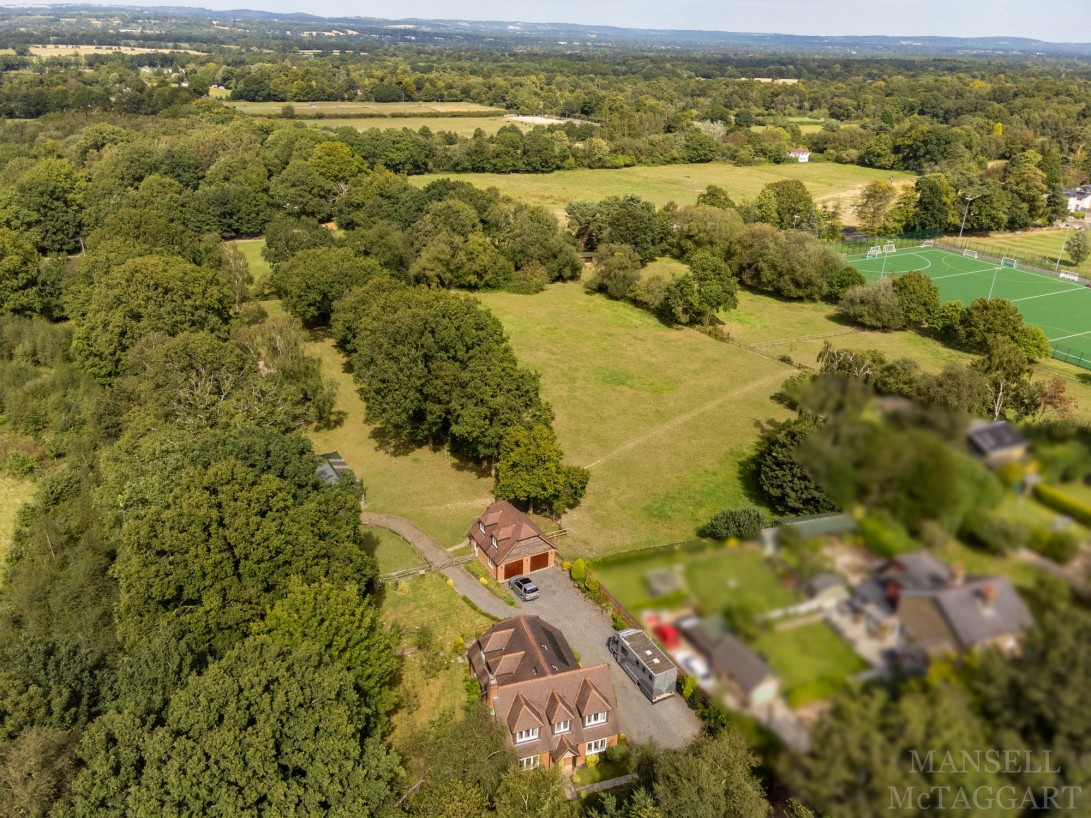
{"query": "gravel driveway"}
(670, 723)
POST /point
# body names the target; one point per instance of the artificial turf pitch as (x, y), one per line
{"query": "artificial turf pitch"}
(1061, 308)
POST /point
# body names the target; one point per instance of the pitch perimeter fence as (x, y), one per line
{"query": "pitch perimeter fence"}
(857, 244)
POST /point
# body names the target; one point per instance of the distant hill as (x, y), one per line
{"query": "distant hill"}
(567, 36)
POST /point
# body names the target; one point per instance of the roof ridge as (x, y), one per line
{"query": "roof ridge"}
(523, 620)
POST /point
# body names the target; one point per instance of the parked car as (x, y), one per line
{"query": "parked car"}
(695, 666)
(524, 588)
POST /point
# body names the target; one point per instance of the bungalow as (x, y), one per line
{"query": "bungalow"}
(800, 154)
(555, 712)
(996, 442)
(941, 610)
(741, 670)
(508, 543)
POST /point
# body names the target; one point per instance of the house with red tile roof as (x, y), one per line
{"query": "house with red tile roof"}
(508, 543)
(556, 713)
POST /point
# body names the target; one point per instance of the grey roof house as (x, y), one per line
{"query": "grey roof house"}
(996, 442)
(741, 670)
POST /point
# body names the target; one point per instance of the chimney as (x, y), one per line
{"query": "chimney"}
(958, 574)
(988, 596)
(490, 694)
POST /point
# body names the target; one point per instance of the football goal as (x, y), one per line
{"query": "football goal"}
(889, 247)
(874, 252)
(928, 243)
(1007, 261)
(970, 253)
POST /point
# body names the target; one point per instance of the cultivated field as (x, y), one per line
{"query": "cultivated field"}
(461, 125)
(81, 50)
(368, 109)
(828, 182)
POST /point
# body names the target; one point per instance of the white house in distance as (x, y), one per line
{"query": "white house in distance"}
(800, 154)
(1079, 199)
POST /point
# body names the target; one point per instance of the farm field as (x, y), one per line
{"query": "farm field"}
(812, 661)
(461, 125)
(828, 182)
(14, 492)
(713, 579)
(662, 417)
(366, 109)
(79, 50)
(1062, 309)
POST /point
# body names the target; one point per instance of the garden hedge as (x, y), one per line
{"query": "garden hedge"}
(1065, 504)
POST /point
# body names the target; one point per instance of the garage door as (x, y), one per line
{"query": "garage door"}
(513, 569)
(539, 561)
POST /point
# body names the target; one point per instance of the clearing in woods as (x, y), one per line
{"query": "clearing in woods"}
(827, 182)
(461, 125)
(366, 109)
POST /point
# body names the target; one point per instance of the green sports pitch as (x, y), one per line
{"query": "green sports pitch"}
(1060, 307)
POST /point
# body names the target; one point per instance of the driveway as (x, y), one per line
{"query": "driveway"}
(670, 723)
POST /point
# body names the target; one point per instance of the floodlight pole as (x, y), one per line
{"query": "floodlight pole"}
(1057, 267)
(965, 213)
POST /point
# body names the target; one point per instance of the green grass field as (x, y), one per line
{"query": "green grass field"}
(828, 182)
(662, 417)
(1061, 308)
(713, 579)
(1040, 246)
(14, 491)
(812, 661)
(392, 552)
(461, 125)
(259, 267)
(365, 109)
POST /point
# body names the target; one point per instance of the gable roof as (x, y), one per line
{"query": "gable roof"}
(965, 615)
(516, 534)
(997, 436)
(725, 653)
(591, 700)
(331, 467)
(916, 571)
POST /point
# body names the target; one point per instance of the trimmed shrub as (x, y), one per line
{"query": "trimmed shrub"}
(996, 535)
(592, 761)
(578, 571)
(591, 584)
(1059, 501)
(1059, 546)
(617, 754)
(884, 536)
(734, 522)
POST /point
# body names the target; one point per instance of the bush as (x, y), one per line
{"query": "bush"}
(996, 535)
(617, 754)
(592, 761)
(578, 571)
(734, 522)
(885, 536)
(19, 464)
(689, 688)
(591, 584)
(619, 623)
(1011, 474)
(1059, 546)
(566, 566)
(1059, 501)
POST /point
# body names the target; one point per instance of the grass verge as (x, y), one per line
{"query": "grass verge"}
(480, 573)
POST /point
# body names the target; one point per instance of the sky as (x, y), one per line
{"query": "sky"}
(1054, 20)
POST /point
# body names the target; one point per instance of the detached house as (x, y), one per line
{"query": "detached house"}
(508, 543)
(800, 154)
(556, 713)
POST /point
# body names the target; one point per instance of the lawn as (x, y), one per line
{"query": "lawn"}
(259, 267)
(1023, 575)
(662, 417)
(461, 125)
(603, 771)
(14, 491)
(392, 552)
(366, 109)
(827, 181)
(713, 580)
(812, 661)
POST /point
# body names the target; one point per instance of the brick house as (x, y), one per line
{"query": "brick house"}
(508, 543)
(555, 712)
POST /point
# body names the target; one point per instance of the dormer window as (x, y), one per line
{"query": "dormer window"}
(492, 540)
(562, 727)
(524, 736)
(591, 719)
(481, 526)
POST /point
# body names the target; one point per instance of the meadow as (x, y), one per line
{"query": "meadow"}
(61, 50)
(363, 108)
(827, 182)
(14, 491)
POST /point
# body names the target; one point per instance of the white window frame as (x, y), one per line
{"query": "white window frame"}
(491, 563)
(591, 719)
(523, 736)
(530, 762)
(595, 747)
(562, 727)
(481, 526)
(492, 540)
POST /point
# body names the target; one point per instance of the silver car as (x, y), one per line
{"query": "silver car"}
(524, 588)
